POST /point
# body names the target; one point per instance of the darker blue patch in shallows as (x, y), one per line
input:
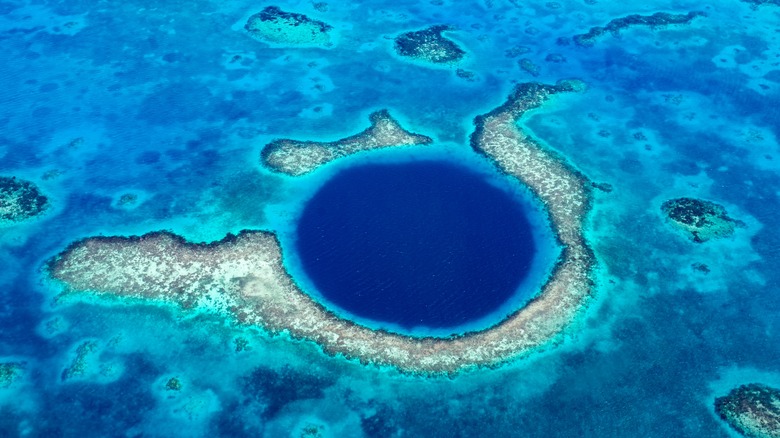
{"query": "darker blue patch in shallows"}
(427, 244)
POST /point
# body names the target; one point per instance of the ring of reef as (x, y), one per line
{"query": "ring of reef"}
(244, 278)
(429, 241)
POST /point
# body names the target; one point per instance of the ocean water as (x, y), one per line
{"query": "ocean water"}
(418, 244)
(134, 117)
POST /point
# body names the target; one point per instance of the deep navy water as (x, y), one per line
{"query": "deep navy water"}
(415, 244)
(106, 99)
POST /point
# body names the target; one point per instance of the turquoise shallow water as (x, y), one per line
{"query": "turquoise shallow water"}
(122, 98)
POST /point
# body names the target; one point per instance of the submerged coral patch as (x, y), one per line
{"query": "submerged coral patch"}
(19, 200)
(700, 220)
(529, 67)
(614, 27)
(753, 410)
(243, 277)
(173, 384)
(80, 363)
(9, 373)
(295, 157)
(275, 26)
(757, 3)
(278, 388)
(429, 45)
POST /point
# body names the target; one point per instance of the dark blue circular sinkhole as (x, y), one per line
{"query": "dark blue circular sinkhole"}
(427, 243)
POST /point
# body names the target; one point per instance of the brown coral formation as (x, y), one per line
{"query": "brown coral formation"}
(429, 45)
(300, 157)
(20, 200)
(275, 26)
(10, 372)
(654, 21)
(753, 410)
(701, 220)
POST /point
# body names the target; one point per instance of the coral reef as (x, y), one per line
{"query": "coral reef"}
(614, 27)
(242, 276)
(78, 367)
(756, 3)
(279, 388)
(429, 45)
(700, 220)
(753, 410)
(9, 373)
(300, 157)
(173, 384)
(127, 199)
(19, 200)
(529, 66)
(272, 25)
(241, 344)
